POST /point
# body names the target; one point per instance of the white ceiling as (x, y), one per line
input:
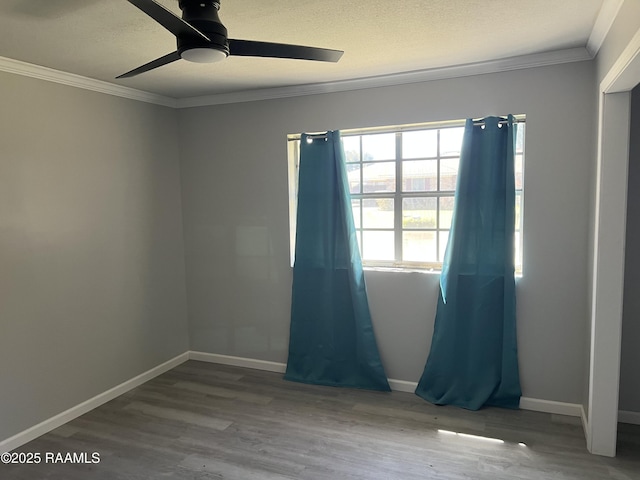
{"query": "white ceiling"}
(101, 39)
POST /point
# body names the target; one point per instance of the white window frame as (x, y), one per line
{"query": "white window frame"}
(293, 141)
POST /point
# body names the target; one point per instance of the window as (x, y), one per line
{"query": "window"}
(402, 182)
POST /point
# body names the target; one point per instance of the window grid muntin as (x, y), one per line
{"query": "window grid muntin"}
(399, 194)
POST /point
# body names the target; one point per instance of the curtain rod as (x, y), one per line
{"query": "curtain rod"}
(317, 135)
(502, 121)
(520, 118)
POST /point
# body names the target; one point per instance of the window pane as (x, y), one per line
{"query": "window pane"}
(381, 146)
(377, 213)
(518, 211)
(446, 211)
(419, 246)
(419, 212)
(520, 137)
(378, 245)
(379, 177)
(518, 250)
(444, 240)
(451, 141)
(519, 170)
(353, 177)
(355, 208)
(449, 173)
(421, 144)
(351, 148)
(420, 175)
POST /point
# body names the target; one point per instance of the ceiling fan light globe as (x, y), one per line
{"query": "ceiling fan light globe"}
(203, 55)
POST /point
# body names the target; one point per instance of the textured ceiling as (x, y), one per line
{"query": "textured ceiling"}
(103, 38)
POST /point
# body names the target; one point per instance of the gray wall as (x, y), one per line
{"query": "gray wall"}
(234, 179)
(630, 358)
(92, 289)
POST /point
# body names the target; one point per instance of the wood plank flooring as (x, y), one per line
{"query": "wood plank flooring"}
(205, 421)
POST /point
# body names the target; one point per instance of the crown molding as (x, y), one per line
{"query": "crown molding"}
(607, 15)
(18, 67)
(492, 66)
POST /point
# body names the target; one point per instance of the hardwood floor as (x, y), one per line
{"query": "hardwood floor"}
(205, 421)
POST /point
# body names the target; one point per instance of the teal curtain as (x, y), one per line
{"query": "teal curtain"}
(473, 361)
(331, 338)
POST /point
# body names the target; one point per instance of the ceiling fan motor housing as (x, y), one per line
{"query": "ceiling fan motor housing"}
(203, 15)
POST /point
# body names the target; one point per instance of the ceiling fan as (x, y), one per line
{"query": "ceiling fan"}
(203, 39)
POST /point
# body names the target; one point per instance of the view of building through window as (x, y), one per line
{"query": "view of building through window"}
(402, 183)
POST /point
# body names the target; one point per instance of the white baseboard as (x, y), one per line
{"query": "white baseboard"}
(398, 385)
(402, 385)
(585, 426)
(239, 361)
(550, 406)
(546, 406)
(526, 403)
(534, 404)
(632, 418)
(84, 407)
(629, 417)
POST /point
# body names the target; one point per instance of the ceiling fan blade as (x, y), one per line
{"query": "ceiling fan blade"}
(250, 48)
(167, 18)
(171, 57)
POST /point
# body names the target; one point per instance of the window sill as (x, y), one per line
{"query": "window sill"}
(373, 268)
(427, 271)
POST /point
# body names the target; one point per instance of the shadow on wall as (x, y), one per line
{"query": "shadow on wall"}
(630, 356)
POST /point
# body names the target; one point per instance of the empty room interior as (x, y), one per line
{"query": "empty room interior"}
(148, 235)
